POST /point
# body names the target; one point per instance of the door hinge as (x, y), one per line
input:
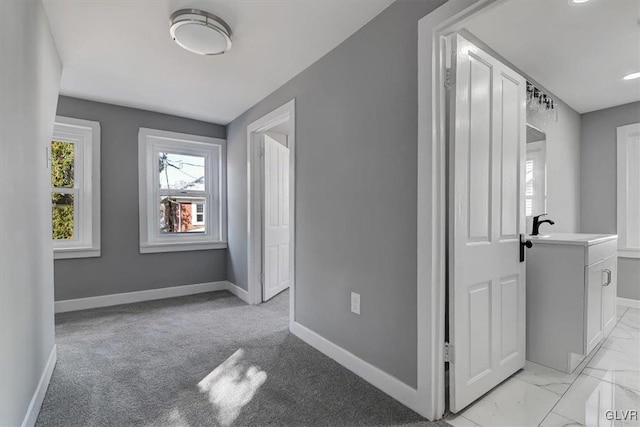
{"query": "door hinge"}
(449, 355)
(261, 151)
(262, 278)
(447, 78)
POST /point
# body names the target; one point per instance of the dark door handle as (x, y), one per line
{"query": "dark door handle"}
(524, 242)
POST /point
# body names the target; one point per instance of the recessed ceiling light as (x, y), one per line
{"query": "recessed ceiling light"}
(578, 1)
(632, 76)
(200, 32)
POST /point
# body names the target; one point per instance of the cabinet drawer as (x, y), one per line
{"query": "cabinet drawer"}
(601, 251)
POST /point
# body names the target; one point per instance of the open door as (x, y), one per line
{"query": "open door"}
(486, 220)
(276, 219)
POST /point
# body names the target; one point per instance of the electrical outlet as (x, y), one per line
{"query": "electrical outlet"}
(355, 303)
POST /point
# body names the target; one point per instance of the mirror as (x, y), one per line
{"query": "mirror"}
(535, 173)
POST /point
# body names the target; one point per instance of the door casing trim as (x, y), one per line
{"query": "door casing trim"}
(283, 114)
(432, 197)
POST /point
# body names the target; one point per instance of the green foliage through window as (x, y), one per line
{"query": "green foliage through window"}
(62, 164)
(62, 176)
(62, 205)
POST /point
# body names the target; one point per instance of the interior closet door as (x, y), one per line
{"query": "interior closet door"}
(276, 256)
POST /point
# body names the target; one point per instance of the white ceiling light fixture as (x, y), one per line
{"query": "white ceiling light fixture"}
(200, 32)
(632, 76)
(578, 1)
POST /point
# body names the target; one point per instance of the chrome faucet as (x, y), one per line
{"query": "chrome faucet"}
(537, 223)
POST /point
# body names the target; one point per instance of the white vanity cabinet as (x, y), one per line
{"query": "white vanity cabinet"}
(571, 296)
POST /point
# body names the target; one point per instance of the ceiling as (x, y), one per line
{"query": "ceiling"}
(120, 52)
(579, 52)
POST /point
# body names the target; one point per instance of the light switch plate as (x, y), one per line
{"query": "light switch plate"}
(355, 303)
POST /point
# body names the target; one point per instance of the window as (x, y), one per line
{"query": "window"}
(535, 174)
(629, 191)
(74, 157)
(197, 210)
(182, 192)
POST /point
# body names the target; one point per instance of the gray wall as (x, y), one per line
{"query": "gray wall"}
(563, 168)
(599, 175)
(629, 278)
(356, 190)
(281, 138)
(29, 82)
(122, 268)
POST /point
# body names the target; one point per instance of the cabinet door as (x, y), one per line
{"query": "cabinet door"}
(609, 291)
(594, 323)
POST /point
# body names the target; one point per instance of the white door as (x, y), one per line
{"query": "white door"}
(276, 256)
(486, 218)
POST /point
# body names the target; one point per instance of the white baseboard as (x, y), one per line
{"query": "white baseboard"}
(131, 297)
(628, 302)
(389, 384)
(38, 396)
(238, 291)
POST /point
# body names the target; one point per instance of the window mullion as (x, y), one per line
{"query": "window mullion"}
(63, 190)
(182, 193)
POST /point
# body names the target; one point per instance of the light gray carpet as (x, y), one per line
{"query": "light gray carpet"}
(140, 364)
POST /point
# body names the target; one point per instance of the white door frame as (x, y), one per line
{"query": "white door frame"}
(283, 114)
(432, 196)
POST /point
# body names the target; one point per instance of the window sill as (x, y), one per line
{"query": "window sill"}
(71, 253)
(626, 253)
(180, 247)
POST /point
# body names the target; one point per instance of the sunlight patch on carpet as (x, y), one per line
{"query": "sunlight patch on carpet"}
(231, 386)
(173, 419)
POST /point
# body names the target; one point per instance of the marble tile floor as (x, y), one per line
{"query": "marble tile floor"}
(608, 379)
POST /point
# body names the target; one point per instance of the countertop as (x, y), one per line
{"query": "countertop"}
(583, 239)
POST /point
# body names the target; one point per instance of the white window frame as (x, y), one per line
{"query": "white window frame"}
(628, 190)
(85, 135)
(536, 151)
(150, 143)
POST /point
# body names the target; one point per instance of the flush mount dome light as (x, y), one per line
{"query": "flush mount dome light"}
(200, 32)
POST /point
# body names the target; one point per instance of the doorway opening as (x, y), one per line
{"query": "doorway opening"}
(434, 220)
(548, 135)
(271, 205)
